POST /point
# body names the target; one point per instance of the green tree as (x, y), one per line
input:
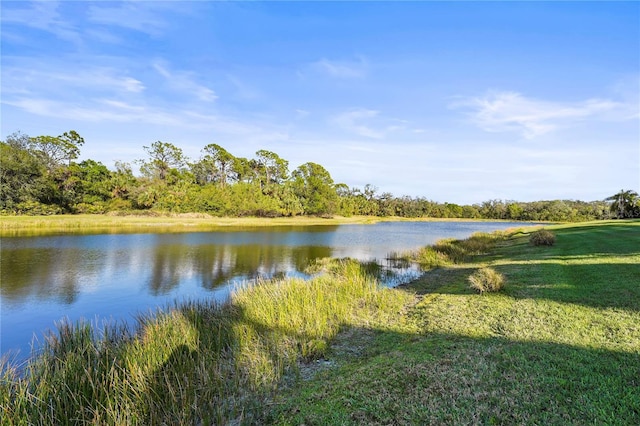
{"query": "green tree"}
(204, 170)
(22, 173)
(275, 170)
(313, 185)
(625, 204)
(514, 211)
(243, 169)
(223, 160)
(163, 157)
(58, 150)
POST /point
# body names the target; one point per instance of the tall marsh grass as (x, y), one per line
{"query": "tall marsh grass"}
(450, 251)
(196, 362)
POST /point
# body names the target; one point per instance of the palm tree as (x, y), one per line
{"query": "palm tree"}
(625, 204)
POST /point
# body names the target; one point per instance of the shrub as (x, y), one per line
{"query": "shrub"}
(36, 208)
(542, 237)
(486, 279)
(87, 208)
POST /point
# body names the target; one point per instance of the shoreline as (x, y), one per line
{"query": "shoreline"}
(18, 226)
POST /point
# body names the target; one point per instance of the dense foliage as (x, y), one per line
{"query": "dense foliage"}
(39, 176)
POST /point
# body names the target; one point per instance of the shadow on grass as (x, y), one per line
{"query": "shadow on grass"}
(601, 239)
(407, 379)
(595, 266)
(605, 285)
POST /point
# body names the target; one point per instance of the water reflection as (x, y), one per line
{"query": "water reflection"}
(118, 275)
(46, 273)
(43, 273)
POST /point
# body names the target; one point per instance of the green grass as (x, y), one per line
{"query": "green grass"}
(559, 345)
(150, 221)
(196, 362)
(153, 222)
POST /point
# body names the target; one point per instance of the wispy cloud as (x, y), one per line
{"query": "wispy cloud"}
(113, 111)
(95, 111)
(242, 89)
(137, 16)
(342, 69)
(44, 16)
(511, 111)
(24, 79)
(358, 121)
(184, 82)
(370, 123)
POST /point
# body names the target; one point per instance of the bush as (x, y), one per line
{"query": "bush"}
(542, 238)
(94, 208)
(486, 279)
(36, 208)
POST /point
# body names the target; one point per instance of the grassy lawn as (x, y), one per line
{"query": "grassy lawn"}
(559, 345)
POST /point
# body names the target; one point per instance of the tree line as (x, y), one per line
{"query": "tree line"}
(40, 176)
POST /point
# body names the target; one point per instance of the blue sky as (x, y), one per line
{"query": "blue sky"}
(453, 101)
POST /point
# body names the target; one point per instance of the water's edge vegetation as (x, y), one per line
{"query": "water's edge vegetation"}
(340, 349)
(168, 223)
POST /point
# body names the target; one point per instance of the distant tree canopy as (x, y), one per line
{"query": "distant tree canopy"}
(40, 175)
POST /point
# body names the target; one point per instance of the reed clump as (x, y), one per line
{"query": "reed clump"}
(196, 362)
(542, 237)
(486, 280)
(450, 251)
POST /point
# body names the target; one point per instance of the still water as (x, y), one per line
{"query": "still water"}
(115, 276)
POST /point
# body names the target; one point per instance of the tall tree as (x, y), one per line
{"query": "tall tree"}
(163, 157)
(275, 170)
(58, 150)
(204, 170)
(122, 180)
(22, 173)
(223, 161)
(625, 204)
(315, 188)
(243, 169)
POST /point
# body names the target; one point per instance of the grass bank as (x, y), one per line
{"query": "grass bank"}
(560, 345)
(11, 226)
(42, 225)
(197, 362)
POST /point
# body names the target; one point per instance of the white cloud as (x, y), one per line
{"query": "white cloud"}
(100, 110)
(342, 69)
(28, 79)
(42, 15)
(137, 16)
(185, 82)
(353, 121)
(370, 124)
(104, 112)
(511, 111)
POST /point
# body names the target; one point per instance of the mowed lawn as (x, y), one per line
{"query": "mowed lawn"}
(560, 345)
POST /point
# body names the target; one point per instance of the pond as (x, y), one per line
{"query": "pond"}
(116, 276)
